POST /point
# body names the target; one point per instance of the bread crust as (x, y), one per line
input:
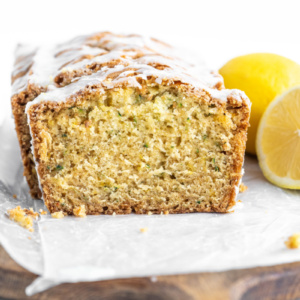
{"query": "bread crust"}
(18, 104)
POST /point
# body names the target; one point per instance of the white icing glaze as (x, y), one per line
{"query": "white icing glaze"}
(137, 57)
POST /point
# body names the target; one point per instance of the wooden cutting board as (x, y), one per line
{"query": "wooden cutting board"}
(274, 283)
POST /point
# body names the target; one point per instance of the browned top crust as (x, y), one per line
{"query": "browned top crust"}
(108, 60)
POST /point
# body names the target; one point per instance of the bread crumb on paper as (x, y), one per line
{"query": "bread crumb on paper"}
(293, 241)
(57, 215)
(243, 188)
(31, 213)
(143, 230)
(19, 216)
(42, 212)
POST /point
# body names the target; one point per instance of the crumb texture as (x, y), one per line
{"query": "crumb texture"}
(79, 211)
(124, 151)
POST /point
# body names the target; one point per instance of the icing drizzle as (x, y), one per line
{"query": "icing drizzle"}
(109, 60)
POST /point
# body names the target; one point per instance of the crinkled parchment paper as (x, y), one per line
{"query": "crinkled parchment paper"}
(108, 247)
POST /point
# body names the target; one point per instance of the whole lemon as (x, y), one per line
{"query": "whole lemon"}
(262, 76)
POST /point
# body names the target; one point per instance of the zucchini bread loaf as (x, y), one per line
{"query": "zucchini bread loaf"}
(122, 123)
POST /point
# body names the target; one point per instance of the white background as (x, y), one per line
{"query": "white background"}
(217, 30)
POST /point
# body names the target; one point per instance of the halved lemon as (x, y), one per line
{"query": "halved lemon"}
(278, 140)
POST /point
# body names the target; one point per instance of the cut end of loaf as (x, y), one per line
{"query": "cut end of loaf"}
(154, 150)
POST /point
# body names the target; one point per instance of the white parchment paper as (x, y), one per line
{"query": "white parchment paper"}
(107, 247)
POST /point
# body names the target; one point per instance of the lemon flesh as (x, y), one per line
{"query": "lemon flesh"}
(262, 76)
(278, 140)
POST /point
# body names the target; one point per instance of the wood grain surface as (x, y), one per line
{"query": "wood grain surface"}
(271, 283)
